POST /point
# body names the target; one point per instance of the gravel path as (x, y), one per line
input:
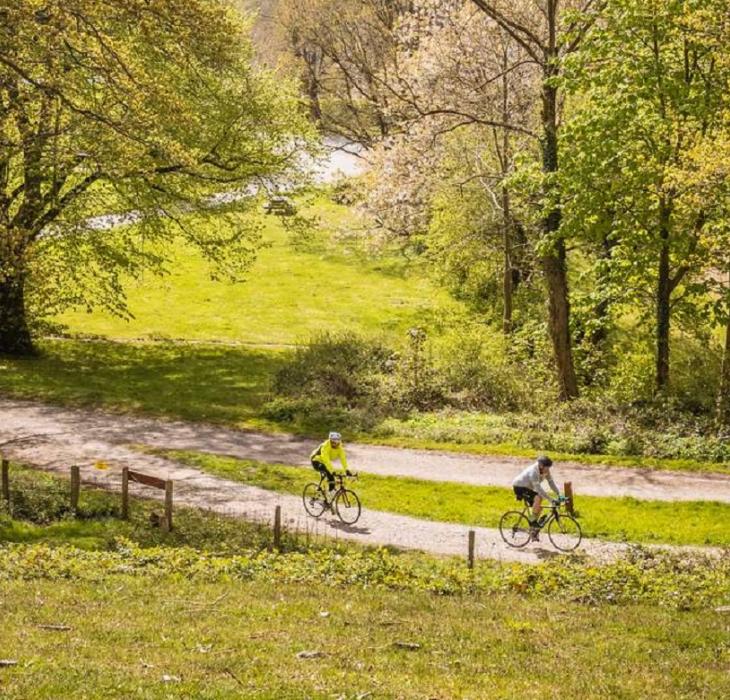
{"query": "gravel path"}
(53, 437)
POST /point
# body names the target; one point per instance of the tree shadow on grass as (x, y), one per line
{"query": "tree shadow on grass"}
(212, 383)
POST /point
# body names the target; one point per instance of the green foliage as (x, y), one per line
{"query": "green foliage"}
(361, 381)
(649, 87)
(335, 366)
(150, 109)
(668, 580)
(654, 431)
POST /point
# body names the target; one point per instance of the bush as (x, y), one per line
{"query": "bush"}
(340, 369)
(44, 498)
(474, 367)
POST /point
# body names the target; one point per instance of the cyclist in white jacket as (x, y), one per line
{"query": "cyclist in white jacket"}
(527, 487)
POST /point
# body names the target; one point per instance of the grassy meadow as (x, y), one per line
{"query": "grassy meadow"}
(178, 638)
(298, 285)
(95, 607)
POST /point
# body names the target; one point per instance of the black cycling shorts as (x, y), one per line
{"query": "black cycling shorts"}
(522, 493)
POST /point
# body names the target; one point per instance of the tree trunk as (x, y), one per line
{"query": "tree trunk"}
(507, 223)
(507, 271)
(554, 260)
(559, 320)
(14, 334)
(663, 307)
(723, 394)
(315, 108)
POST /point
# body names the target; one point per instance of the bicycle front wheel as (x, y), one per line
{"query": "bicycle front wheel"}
(515, 528)
(565, 533)
(314, 500)
(347, 506)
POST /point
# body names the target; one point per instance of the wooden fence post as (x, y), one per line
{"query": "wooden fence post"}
(568, 491)
(6, 481)
(471, 549)
(125, 493)
(75, 487)
(168, 506)
(277, 528)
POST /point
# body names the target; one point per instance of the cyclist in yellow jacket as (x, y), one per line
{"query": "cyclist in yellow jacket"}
(331, 448)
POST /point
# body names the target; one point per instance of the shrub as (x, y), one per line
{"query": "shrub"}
(335, 368)
(474, 367)
(44, 498)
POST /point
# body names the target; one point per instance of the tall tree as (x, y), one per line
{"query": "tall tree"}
(652, 92)
(346, 49)
(139, 104)
(548, 35)
(460, 125)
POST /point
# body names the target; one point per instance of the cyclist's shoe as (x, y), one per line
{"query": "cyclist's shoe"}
(534, 534)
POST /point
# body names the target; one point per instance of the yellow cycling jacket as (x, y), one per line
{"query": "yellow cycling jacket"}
(325, 453)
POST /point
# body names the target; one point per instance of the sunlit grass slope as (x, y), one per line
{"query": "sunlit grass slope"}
(327, 282)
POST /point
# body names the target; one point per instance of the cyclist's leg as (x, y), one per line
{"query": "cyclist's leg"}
(528, 496)
(536, 507)
(328, 474)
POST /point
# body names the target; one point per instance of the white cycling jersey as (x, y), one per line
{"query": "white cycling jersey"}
(531, 479)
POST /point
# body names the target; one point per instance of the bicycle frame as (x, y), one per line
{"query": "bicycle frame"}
(554, 515)
(339, 481)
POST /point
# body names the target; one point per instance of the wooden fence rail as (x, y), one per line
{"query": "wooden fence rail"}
(147, 480)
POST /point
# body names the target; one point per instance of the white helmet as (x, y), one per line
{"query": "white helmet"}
(335, 436)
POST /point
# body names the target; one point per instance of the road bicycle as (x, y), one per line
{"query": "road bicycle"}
(563, 529)
(345, 502)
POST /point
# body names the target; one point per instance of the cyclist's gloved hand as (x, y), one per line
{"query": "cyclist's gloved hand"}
(556, 502)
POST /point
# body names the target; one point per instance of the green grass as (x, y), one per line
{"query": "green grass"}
(225, 640)
(686, 523)
(330, 282)
(198, 383)
(290, 293)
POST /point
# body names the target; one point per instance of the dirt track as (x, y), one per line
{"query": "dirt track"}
(54, 438)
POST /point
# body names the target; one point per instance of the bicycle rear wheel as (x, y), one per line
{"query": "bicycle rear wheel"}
(565, 533)
(515, 528)
(314, 500)
(347, 506)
